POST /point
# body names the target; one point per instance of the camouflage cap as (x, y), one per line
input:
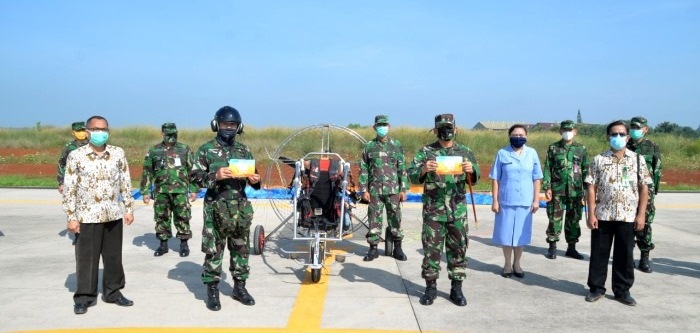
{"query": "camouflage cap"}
(444, 119)
(169, 128)
(638, 122)
(381, 119)
(78, 126)
(567, 125)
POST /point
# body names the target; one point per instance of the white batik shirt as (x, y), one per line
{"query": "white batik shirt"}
(93, 185)
(616, 181)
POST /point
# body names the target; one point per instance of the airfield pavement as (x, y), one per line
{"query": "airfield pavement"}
(37, 280)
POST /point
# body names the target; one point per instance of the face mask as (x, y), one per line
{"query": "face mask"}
(226, 136)
(567, 136)
(170, 139)
(99, 138)
(637, 134)
(517, 141)
(80, 135)
(446, 133)
(382, 131)
(617, 142)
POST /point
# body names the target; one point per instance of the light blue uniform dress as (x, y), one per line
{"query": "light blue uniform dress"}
(515, 175)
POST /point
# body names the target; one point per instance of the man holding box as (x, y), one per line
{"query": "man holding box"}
(227, 212)
(444, 208)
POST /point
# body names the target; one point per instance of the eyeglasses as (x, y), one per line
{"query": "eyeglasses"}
(622, 135)
(97, 129)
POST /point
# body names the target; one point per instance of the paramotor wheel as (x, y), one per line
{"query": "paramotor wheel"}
(388, 242)
(258, 239)
(316, 272)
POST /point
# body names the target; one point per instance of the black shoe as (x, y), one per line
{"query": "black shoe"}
(121, 301)
(626, 299)
(506, 275)
(162, 249)
(644, 263)
(372, 254)
(552, 251)
(241, 294)
(184, 248)
(572, 253)
(456, 295)
(518, 275)
(81, 308)
(213, 296)
(430, 292)
(594, 296)
(398, 252)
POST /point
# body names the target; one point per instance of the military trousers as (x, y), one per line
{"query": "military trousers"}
(643, 237)
(175, 207)
(556, 209)
(375, 211)
(451, 235)
(226, 224)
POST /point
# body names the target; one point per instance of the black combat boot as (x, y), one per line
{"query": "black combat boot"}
(644, 263)
(456, 295)
(162, 249)
(398, 252)
(184, 248)
(213, 296)
(552, 251)
(572, 253)
(372, 253)
(240, 293)
(430, 292)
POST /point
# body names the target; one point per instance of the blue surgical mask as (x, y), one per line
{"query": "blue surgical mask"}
(618, 142)
(99, 138)
(636, 134)
(382, 131)
(517, 141)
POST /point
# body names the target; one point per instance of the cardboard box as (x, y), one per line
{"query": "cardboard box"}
(241, 168)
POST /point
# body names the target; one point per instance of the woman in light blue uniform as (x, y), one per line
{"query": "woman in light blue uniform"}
(516, 175)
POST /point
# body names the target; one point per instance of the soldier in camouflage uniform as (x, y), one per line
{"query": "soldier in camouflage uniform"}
(227, 212)
(652, 155)
(167, 166)
(383, 181)
(80, 139)
(444, 209)
(565, 168)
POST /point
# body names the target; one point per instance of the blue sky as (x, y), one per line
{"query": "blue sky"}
(299, 63)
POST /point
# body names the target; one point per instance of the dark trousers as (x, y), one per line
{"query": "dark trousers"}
(622, 233)
(99, 239)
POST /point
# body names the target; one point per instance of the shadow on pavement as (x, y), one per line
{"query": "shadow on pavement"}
(675, 267)
(361, 274)
(149, 240)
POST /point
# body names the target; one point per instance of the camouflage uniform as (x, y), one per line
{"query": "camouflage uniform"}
(565, 168)
(227, 212)
(652, 155)
(383, 174)
(69, 147)
(167, 168)
(444, 211)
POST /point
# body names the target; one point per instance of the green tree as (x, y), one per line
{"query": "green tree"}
(666, 127)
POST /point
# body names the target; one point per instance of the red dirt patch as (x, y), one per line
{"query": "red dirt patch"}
(670, 177)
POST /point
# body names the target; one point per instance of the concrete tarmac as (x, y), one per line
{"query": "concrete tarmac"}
(37, 280)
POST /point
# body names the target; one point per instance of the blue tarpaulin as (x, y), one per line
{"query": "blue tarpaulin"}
(284, 193)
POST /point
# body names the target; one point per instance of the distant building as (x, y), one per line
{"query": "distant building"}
(545, 126)
(497, 125)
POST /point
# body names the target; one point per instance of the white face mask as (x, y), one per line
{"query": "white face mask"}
(568, 135)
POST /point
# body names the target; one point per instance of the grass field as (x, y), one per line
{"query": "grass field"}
(679, 153)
